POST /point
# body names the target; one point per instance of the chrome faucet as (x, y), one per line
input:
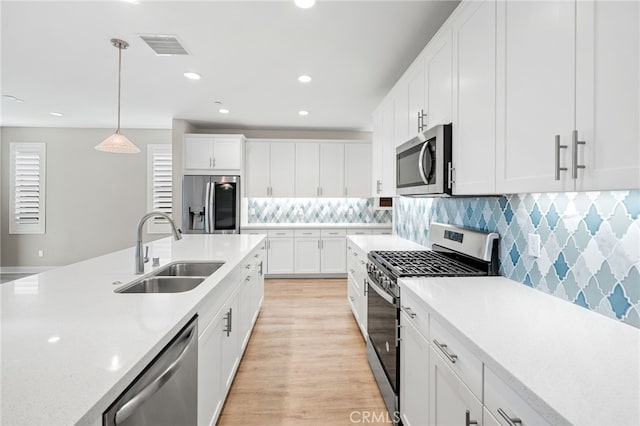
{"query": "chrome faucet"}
(176, 235)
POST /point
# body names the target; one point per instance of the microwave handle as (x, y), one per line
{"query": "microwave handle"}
(421, 163)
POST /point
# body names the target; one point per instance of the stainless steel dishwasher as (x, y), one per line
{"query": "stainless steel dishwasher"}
(166, 392)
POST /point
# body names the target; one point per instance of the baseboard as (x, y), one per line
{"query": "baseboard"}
(24, 269)
(305, 276)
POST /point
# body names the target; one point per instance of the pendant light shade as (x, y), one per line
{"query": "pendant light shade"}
(117, 142)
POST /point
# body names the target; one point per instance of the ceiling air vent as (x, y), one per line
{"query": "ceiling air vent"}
(164, 45)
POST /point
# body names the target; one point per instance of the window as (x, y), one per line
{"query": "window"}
(27, 191)
(160, 181)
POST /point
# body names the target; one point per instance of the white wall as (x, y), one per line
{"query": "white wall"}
(94, 199)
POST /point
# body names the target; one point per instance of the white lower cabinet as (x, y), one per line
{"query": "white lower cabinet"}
(505, 405)
(280, 255)
(414, 374)
(352, 296)
(307, 255)
(451, 401)
(333, 257)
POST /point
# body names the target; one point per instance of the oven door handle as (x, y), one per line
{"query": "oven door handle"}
(386, 296)
(421, 163)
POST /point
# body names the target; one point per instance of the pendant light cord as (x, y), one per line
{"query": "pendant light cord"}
(119, 82)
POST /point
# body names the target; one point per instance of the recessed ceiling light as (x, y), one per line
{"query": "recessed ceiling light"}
(305, 4)
(53, 339)
(223, 111)
(303, 112)
(304, 79)
(192, 75)
(56, 114)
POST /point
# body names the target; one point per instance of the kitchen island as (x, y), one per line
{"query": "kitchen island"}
(70, 344)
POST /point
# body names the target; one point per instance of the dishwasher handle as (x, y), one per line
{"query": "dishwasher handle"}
(147, 392)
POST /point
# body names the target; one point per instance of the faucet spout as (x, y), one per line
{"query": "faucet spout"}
(176, 235)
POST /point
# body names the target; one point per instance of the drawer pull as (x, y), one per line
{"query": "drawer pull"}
(248, 278)
(352, 298)
(348, 247)
(362, 262)
(467, 419)
(247, 267)
(256, 256)
(511, 421)
(451, 357)
(355, 254)
(353, 271)
(408, 311)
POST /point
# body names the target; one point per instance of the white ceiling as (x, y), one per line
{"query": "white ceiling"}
(57, 57)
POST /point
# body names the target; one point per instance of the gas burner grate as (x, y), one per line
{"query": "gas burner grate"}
(424, 263)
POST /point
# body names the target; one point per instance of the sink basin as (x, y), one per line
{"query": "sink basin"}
(189, 269)
(162, 285)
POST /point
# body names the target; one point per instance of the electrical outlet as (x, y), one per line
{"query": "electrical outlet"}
(350, 211)
(40, 253)
(533, 245)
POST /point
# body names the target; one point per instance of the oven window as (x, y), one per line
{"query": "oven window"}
(381, 326)
(407, 171)
(225, 205)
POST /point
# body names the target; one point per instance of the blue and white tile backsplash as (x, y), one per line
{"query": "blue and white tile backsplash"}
(315, 210)
(590, 241)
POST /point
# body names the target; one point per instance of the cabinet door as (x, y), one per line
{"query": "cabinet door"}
(450, 398)
(198, 153)
(357, 169)
(281, 254)
(257, 169)
(246, 308)
(535, 94)
(352, 298)
(439, 81)
(283, 168)
(334, 255)
(608, 95)
(210, 390)
(388, 187)
(414, 375)
(307, 170)
(416, 97)
(376, 155)
(401, 113)
(227, 153)
(332, 170)
(474, 151)
(307, 255)
(230, 346)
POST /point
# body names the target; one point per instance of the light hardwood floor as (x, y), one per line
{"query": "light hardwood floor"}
(306, 362)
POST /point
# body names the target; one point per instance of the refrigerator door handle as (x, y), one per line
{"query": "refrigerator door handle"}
(207, 208)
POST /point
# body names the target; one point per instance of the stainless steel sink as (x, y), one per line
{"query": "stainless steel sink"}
(189, 269)
(162, 285)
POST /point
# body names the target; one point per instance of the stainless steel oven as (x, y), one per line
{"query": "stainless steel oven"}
(423, 164)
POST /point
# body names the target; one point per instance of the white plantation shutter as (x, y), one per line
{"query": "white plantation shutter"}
(160, 186)
(27, 192)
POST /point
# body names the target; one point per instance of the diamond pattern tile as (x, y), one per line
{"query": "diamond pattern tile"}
(590, 241)
(316, 210)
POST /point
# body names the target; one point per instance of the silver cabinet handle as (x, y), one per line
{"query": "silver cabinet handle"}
(366, 286)
(214, 162)
(247, 266)
(306, 233)
(353, 271)
(228, 317)
(256, 256)
(408, 311)
(348, 247)
(362, 262)
(467, 419)
(141, 397)
(378, 186)
(511, 421)
(558, 148)
(352, 298)
(451, 357)
(419, 121)
(318, 244)
(248, 278)
(574, 163)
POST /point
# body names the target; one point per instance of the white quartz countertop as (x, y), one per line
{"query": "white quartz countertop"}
(383, 242)
(314, 225)
(70, 345)
(570, 364)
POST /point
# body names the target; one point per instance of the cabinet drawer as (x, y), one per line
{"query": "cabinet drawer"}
(383, 231)
(307, 233)
(334, 232)
(505, 405)
(280, 233)
(460, 359)
(359, 231)
(418, 316)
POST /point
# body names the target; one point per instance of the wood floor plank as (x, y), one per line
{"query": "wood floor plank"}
(306, 362)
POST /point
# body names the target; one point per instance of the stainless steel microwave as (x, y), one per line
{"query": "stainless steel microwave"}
(423, 164)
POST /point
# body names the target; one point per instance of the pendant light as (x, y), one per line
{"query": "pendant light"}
(117, 142)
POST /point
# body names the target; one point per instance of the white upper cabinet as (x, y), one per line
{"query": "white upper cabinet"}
(213, 153)
(270, 169)
(357, 170)
(474, 132)
(535, 95)
(401, 131)
(376, 155)
(416, 98)
(439, 80)
(607, 96)
(388, 152)
(308, 170)
(332, 171)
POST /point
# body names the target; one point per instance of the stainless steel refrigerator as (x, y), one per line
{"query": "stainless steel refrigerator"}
(211, 204)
